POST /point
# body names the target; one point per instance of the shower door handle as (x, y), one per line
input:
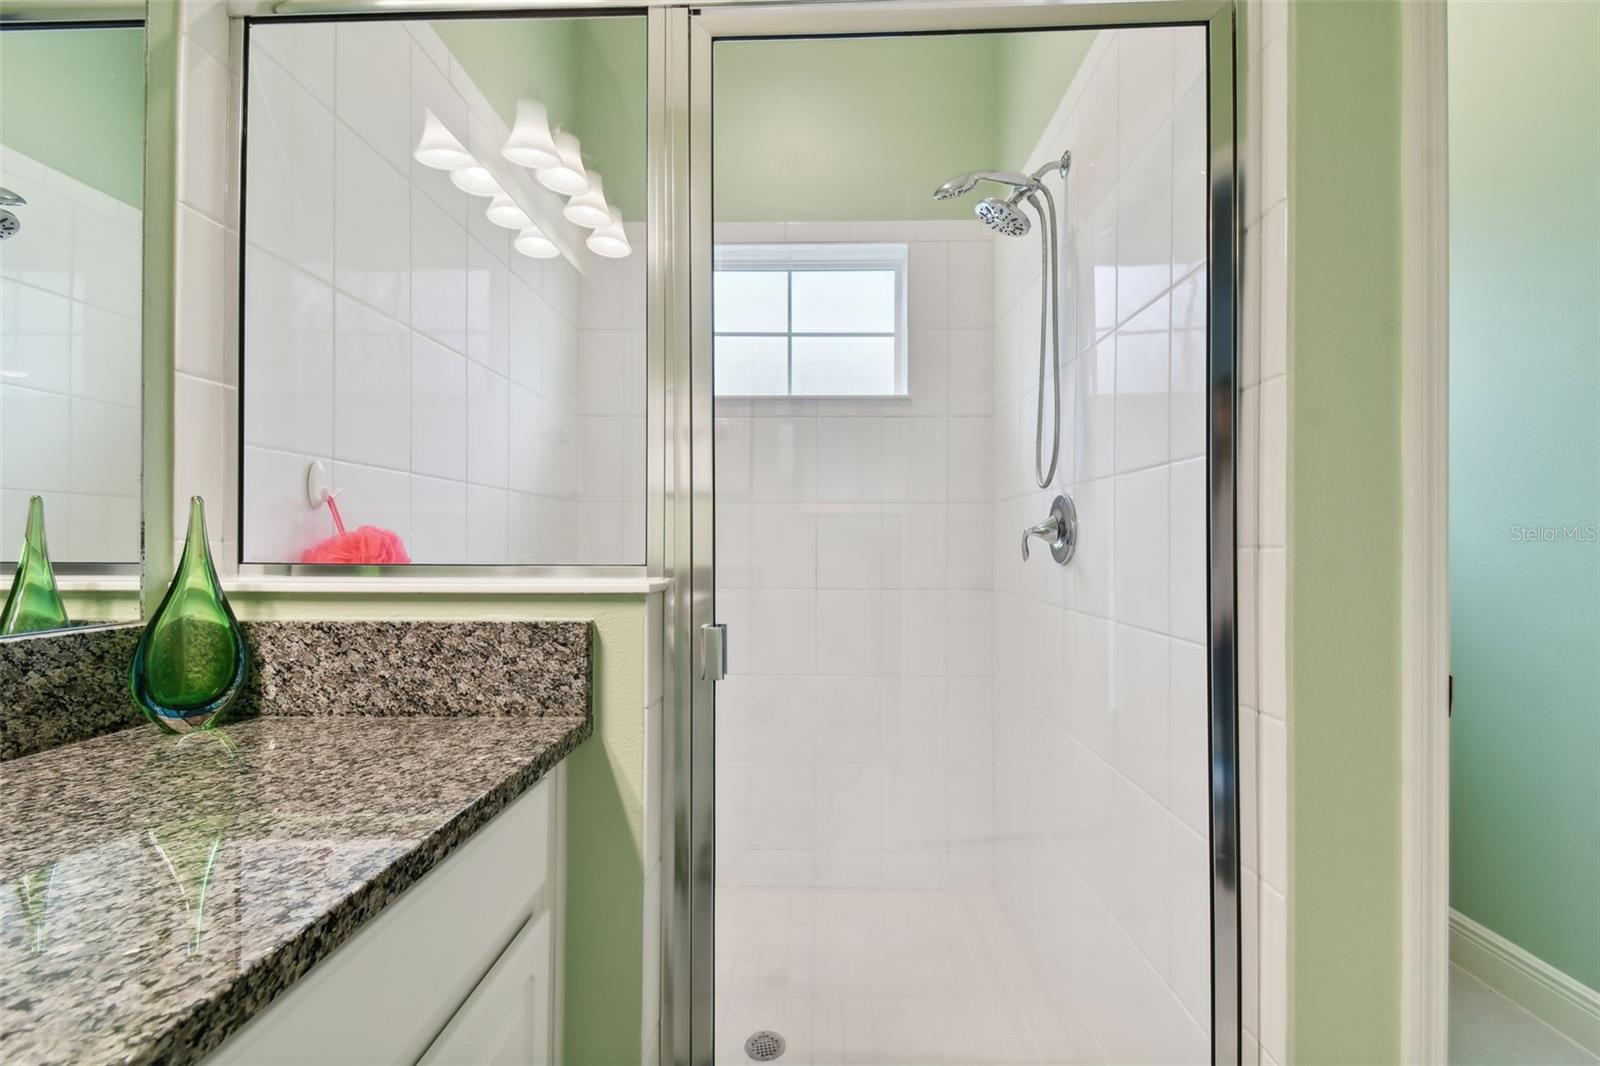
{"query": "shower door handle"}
(713, 651)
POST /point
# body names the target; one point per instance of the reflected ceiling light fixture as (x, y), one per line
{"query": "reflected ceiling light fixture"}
(531, 144)
(567, 177)
(589, 208)
(503, 211)
(438, 147)
(532, 243)
(475, 180)
(610, 241)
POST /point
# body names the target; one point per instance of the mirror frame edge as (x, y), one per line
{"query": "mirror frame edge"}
(163, 29)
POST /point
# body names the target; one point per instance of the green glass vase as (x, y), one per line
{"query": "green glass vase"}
(189, 666)
(33, 603)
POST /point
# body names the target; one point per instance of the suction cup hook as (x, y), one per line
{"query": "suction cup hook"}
(318, 491)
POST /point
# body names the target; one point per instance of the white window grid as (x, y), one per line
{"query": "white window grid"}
(790, 259)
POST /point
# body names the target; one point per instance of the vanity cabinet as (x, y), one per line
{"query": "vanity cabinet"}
(463, 967)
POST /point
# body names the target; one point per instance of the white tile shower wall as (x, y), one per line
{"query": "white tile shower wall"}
(854, 570)
(69, 366)
(1099, 693)
(395, 336)
(205, 347)
(611, 361)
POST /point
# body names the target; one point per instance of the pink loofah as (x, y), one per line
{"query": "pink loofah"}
(364, 545)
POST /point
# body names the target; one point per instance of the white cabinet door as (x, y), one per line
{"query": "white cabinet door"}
(381, 998)
(506, 1020)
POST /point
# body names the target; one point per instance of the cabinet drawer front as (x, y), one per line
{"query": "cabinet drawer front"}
(506, 1020)
(384, 995)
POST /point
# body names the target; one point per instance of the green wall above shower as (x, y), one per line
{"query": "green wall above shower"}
(819, 129)
(588, 72)
(73, 99)
(864, 129)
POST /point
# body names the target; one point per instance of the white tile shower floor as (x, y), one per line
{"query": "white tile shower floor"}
(881, 976)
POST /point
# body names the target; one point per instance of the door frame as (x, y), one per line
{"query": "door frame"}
(1425, 505)
(685, 41)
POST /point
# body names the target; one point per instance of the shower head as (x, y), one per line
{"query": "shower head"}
(962, 184)
(1004, 216)
(959, 185)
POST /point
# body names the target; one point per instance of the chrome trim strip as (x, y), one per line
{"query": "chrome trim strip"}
(1222, 544)
(671, 28)
(417, 571)
(697, 279)
(97, 569)
(21, 13)
(87, 627)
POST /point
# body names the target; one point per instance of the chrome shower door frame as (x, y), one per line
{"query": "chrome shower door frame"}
(688, 34)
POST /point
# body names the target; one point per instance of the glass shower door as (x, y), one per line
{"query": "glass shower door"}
(962, 792)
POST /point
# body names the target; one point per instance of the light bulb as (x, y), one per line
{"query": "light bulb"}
(589, 208)
(530, 143)
(475, 181)
(567, 177)
(610, 241)
(503, 211)
(439, 148)
(533, 243)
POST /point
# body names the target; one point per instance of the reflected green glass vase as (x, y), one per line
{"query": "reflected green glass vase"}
(33, 603)
(189, 667)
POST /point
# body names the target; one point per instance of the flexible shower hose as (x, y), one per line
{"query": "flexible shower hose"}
(1049, 340)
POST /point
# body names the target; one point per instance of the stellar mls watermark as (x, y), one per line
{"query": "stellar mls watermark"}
(1542, 534)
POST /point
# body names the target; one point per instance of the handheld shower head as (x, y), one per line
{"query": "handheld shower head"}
(1004, 216)
(959, 185)
(962, 184)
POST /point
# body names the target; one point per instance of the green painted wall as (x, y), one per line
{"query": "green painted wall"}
(1525, 452)
(74, 100)
(512, 58)
(805, 130)
(611, 107)
(605, 799)
(1344, 533)
(589, 73)
(1033, 71)
(850, 129)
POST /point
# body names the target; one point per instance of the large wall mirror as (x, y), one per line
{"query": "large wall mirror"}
(71, 206)
(443, 292)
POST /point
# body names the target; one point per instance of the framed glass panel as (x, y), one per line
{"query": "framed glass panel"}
(71, 271)
(444, 292)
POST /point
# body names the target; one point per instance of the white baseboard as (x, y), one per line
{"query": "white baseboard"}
(1561, 1002)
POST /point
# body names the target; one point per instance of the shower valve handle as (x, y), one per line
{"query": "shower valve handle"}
(1060, 530)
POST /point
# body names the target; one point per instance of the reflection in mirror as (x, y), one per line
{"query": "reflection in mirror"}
(443, 329)
(71, 196)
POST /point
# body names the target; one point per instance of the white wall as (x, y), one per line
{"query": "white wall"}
(394, 334)
(69, 366)
(1100, 679)
(853, 568)
(1263, 536)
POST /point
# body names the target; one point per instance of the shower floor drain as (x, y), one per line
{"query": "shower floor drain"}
(765, 1046)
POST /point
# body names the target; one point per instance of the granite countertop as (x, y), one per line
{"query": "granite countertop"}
(159, 890)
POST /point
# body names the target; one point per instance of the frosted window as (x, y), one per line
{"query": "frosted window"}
(809, 320)
(751, 301)
(752, 366)
(844, 366)
(844, 301)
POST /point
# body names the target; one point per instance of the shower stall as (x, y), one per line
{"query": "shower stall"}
(950, 800)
